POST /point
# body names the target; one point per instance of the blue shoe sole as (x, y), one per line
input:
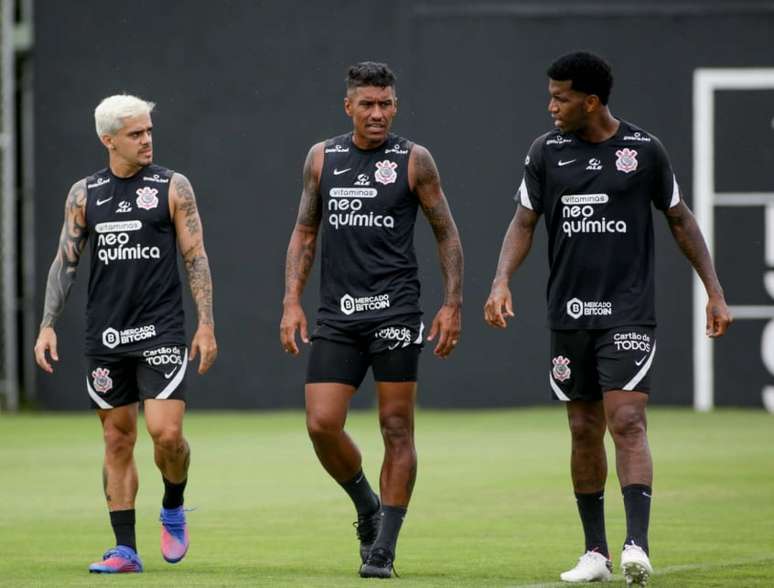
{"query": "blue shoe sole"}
(111, 571)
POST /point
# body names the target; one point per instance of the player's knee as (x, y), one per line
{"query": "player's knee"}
(169, 439)
(627, 423)
(321, 427)
(396, 430)
(119, 443)
(586, 428)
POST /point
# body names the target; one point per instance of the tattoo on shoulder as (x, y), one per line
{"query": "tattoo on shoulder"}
(309, 211)
(427, 180)
(74, 232)
(72, 241)
(425, 170)
(186, 201)
(76, 198)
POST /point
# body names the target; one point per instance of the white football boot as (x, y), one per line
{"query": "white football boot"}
(592, 567)
(635, 565)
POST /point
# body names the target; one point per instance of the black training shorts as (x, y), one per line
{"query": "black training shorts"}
(118, 380)
(343, 351)
(586, 363)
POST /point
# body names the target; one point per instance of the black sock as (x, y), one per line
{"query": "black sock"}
(591, 508)
(637, 504)
(122, 522)
(392, 519)
(173, 493)
(359, 490)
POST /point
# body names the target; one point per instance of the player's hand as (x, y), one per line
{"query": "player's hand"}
(447, 325)
(204, 343)
(499, 306)
(293, 318)
(46, 342)
(718, 317)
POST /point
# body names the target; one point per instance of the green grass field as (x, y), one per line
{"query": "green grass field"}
(492, 504)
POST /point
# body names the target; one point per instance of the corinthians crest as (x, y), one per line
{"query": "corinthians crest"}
(385, 172)
(627, 160)
(146, 198)
(561, 370)
(102, 381)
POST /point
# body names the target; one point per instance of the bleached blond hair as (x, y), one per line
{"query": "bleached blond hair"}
(109, 115)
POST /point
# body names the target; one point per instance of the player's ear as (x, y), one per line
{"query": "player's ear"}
(107, 141)
(592, 103)
(348, 106)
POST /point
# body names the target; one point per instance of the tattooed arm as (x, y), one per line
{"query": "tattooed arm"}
(190, 240)
(425, 181)
(686, 232)
(61, 276)
(300, 255)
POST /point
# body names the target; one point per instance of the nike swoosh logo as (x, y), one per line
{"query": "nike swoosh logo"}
(639, 363)
(169, 375)
(563, 163)
(338, 172)
(101, 202)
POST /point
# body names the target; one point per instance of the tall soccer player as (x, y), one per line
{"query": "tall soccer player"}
(136, 216)
(594, 177)
(361, 191)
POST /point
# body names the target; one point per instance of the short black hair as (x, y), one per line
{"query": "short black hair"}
(370, 73)
(588, 73)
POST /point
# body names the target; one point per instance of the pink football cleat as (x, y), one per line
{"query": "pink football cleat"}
(174, 534)
(118, 560)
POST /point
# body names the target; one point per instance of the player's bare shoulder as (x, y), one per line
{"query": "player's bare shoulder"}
(182, 201)
(76, 196)
(423, 173)
(310, 211)
(314, 161)
(180, 189)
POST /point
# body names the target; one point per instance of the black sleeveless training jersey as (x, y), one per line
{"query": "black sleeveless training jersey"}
(135, 296)
(597, 198)
(369, 268)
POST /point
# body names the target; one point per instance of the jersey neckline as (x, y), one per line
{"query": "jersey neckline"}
(351, 137)
(128, 178)
(615, 135)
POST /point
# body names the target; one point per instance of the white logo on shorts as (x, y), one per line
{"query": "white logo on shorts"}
(401, 336)
(102, 381)
(632, 341)
(164, 356)
(561, 370)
